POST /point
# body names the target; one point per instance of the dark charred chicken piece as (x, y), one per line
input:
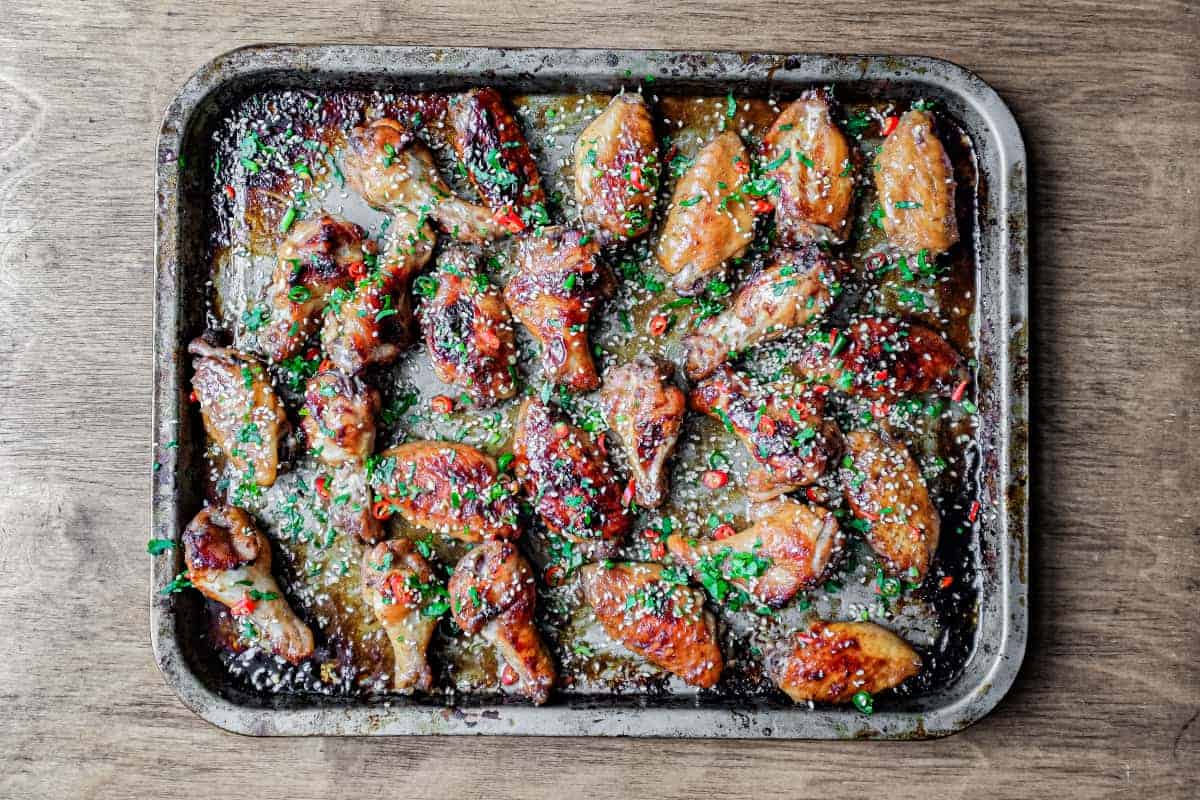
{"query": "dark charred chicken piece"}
(663, 622)
(240, 409)
(448, 488)
(468, 330)
(885, 489)
(319, 255)
(617, 170)
(810, 157)
(830, 662)
(791, 548)
(790, 293)
(229, 561)
(566, 477)
(493, 592)
(881, 358)
(559, 282)
(392, 169)
(709, 220)
(395, 579)
(490, 144)
(915, 181)
(339, 417)
(645, 409)
(787, 436)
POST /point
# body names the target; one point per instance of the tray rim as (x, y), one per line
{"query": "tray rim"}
(570, 717)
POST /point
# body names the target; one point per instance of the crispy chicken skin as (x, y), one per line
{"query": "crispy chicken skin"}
(567, 477)
(393, 575)
(240, 409)
(320, 254)
(493, 592)
(448, 488)
(789, 437)
(915, 181)
(490, 144)
(374, 322)
(229, 561)
(617, 170)
(884, 487)
(645, 409)
(790, 293)
(708, 223)
(663, 622)
(793, 547)
(810, 157)
(882, 359)
(468, 331)
(392, 169)
(559, 282)
(339, 417)
(830, 662)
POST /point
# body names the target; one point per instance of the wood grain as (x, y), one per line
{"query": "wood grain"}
(1108, 96)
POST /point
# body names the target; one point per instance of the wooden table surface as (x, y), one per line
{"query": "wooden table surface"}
(1108, 96)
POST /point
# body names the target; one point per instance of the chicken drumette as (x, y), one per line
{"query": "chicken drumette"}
(645, 409)
(617, 170)
(831, 662)
(395, 582)
(915, 181)
(490, 144)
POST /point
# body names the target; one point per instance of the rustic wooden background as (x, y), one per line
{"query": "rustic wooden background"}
(1108, 96)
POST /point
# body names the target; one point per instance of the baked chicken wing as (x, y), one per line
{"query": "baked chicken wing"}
(339, 417)
(347, 498)
(396, 581)
(645, 409)
(830, 662)
(490, 144)
(229, 561)
(915, 181)
(617, 170)
(665, 623)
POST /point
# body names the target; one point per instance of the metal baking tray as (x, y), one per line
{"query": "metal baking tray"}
(1000, 326)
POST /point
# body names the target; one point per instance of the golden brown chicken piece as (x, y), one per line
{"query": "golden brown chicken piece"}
(559, 282)
(395, 583)
(788, 436)
(320, 254)
(566, 477)
(490, 144)
(392, 169)
(830, 662)
(663, 622)
(791, 548)
(468, 331)
(709, 220)
(617, 170)
(229, 561)
(808, 154)
(240, 409)
(880, 358)
(448, 488)
(793, 291)
(493, 592)
(915, 181)
(339, 417)
(370, 323)
(347, 499)
(885, 489)
(645, 409)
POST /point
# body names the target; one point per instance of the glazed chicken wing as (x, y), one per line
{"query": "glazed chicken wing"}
(240, 409)
(663, 622)
(645, 409)
(617, 170)
(339, 417)
(395, 581)
(791, 548)
(808, 154)
(319, 255)
(493, 592)
(885, 489)
(830, 662)
(880, 358)
(490, 144)
(449, 488)
(347, 500)
(229, 561)
(567, 477)
(915, 181)
(709, 221)
(468, 330)
(787, 436)
(793, 291)
(559, 283)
